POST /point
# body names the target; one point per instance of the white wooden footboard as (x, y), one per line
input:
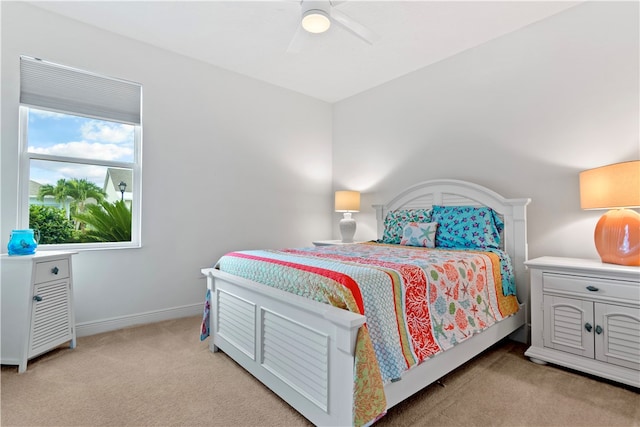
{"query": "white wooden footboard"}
(304, 350)
(301, 349)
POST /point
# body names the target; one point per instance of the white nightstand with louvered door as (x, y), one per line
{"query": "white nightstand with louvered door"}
(585, 315)
(37, 305)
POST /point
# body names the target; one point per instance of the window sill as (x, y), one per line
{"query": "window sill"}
(81, 247)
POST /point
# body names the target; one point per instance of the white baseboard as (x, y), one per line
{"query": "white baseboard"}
(106, 325)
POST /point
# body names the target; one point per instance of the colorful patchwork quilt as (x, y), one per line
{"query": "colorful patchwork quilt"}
(418, 301)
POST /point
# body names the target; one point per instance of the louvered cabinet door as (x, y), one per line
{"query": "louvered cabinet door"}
(617, 335)
(569, 325)
(51, 317)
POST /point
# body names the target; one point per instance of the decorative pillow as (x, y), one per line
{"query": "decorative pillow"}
(419, 234)
(395, 221)
(467, 227)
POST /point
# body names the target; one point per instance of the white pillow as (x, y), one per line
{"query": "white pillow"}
(419, 234)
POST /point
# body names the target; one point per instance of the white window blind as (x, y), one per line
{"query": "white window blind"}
(56, 87)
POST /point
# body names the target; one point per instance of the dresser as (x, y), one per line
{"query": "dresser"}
(585, 315)
(37, 305)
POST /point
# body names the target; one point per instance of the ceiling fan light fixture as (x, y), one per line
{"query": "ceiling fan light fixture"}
(316, 21)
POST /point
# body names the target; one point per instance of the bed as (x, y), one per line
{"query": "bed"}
(317, 356)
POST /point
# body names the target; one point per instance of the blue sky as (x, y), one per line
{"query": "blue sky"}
(73, 136)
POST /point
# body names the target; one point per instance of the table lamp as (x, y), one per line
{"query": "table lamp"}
(615, 187)
(347, 202)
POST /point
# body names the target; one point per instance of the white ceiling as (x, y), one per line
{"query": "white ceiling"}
(251, 37)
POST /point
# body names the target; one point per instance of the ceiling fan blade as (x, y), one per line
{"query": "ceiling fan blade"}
(296, 43)
(354, 26)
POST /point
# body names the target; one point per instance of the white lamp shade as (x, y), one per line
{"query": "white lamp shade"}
(612, 186)
(347, 201)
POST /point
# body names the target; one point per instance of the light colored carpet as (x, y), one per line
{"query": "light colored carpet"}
(162, 375)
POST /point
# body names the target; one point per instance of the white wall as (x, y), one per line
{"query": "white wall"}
(233, 163)
(229, 163)
(522, 114)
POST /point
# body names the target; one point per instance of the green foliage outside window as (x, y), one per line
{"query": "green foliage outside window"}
(78, 191)
(51, 223)
(89, 222)
(106, 222)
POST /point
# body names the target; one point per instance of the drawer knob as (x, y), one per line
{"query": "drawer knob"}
(588, 327)
(592, 288)
(37, 298)
(55, 270)
(598, 330)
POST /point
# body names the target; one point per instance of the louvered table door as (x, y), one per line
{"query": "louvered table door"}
(618, 340)
(568, 325)
(51, 320)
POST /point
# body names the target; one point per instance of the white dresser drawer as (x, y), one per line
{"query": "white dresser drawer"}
(52, 270)
(590, 287)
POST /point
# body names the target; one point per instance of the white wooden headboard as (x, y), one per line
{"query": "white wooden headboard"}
(450, 192)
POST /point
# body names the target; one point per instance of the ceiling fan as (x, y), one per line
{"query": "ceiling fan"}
(318, 16)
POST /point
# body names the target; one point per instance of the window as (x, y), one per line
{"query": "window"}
(80, 148)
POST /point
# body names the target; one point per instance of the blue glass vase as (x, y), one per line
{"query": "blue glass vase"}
(22, 242)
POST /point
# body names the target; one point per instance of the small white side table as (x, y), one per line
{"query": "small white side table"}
(37, 305)
(585, 315)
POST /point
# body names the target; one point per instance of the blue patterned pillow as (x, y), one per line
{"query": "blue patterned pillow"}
(467, 227)
(395, 221)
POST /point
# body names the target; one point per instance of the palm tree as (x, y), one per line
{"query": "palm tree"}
(59, 193)
(78, 191)
(107, 222)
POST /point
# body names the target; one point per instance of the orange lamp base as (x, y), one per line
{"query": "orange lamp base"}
(617, 237)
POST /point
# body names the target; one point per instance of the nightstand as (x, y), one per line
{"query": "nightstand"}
(585, 315)
(332, 242)
(37, 305)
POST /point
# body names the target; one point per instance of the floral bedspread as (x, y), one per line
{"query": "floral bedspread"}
(418, 302)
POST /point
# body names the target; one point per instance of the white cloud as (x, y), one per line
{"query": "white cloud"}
(115, 133)
(91, 150)
(95, 174)
(45, 172)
